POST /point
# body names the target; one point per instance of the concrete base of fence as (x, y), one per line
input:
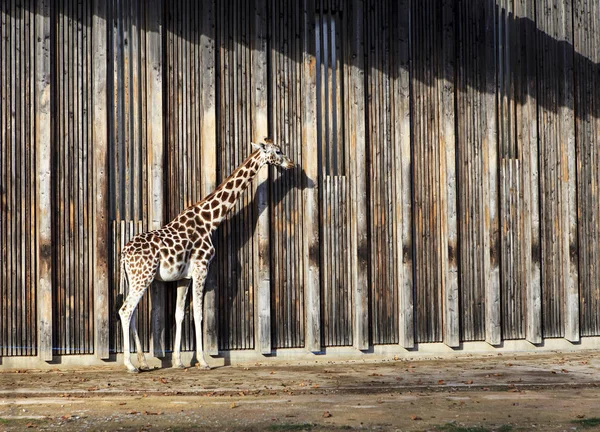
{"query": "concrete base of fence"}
(299, 355)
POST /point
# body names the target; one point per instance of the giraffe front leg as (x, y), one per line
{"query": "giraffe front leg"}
(199, 277)
(182, 289)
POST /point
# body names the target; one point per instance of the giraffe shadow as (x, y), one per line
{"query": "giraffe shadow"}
(231, 275)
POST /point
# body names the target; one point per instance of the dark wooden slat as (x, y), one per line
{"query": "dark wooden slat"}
(586, 28)
(287, 292)
(4, 21)
(99, 130)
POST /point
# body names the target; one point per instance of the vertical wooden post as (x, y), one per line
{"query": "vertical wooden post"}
(99, 134)
(568, 175)
(310, 164)
(208, 127)
(155, 134)
(403, 161)
(528, 130)
(260, 129)
(357, 145)
(447, 179)
(491, 263)
(43, 153)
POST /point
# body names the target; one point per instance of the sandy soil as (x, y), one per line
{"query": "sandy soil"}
(500, 393)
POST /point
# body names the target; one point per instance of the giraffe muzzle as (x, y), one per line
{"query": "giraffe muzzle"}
(288, 164)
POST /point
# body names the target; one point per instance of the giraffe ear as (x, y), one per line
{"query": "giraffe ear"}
(258, 146)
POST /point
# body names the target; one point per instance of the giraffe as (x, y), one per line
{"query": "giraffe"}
(183, 249)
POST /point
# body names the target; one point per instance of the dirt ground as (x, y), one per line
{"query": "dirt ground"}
(558, 392)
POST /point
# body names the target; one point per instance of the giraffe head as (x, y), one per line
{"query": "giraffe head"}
(271, 154)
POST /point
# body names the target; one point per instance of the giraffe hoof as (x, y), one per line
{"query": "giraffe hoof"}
(178, 366)
(134, 370)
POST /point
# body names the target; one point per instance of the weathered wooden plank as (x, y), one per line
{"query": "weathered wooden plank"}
(4, 248)
(208, 127)
(15, 144)
(586, 37)
(44, 180)
(288, 292)
(17, 186)
(86, 179)
(568, 162)
(429, 280)
(234, 250)
(357, 148)
(78, 323)
(155, 158)
(30, 227)
(260, 130)
(555, 105)
(512, 260)
(490, 173)
(384, 286)
(310, 194)
(527, 142)
(100, 163)
(133, 43)
(447, 179)
(401, 94)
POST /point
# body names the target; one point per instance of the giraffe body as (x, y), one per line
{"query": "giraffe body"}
(183, 249)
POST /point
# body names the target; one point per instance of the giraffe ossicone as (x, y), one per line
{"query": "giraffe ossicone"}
(183, 249)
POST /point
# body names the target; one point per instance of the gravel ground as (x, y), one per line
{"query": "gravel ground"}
(557, 392)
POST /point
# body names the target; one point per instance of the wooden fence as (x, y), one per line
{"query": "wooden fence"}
(448, 189)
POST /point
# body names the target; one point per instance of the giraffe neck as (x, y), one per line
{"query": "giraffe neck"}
(224, 197)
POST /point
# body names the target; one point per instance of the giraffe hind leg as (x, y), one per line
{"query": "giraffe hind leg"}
(199, 278)
(136, 292)
(182, 289)
(138, 344)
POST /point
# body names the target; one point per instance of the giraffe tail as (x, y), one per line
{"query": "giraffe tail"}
(122, 276)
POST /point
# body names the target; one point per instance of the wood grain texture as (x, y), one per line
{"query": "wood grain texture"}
(382, 172)
(154, 132)
(100, 168)
(357, 143)
(310, 194)
(403, 163)
(290, 316)
(476, 155)
(447, 188)
(557, 198)
(43, 166)
(336, 288)
(130, 152)
(436, 277)
(260, 130)
(208, 153)
(233, 263)
(586, 27)
(73, 289)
